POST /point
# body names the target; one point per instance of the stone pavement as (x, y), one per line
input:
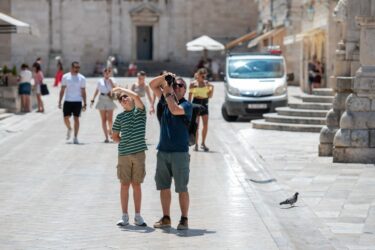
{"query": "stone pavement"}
(57, 195)
(337, 201)
(341, 196)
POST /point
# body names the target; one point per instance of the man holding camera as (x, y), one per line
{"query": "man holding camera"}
(173, 157)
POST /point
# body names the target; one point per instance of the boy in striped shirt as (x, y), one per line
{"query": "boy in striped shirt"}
(129, 131)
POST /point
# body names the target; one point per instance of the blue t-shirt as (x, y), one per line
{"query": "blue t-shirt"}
(174, 134)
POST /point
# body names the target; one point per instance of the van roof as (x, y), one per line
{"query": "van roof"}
(255, 56)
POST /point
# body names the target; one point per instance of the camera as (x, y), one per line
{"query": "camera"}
(170, 79)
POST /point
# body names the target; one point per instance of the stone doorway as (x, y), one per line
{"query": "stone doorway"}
(144, 43)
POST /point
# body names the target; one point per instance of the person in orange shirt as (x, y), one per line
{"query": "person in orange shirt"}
(200, 91)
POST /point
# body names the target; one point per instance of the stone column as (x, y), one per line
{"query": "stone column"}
(355, 141)
(346, 64)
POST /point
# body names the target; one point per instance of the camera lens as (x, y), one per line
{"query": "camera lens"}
(169, 79)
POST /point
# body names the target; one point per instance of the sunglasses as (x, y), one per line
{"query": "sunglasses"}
(180, 85)
(122, 98)
(77, 67)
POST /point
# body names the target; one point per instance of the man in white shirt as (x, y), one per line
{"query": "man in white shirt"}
(73, 85)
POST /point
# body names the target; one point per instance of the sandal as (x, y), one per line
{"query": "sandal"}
(206, 149)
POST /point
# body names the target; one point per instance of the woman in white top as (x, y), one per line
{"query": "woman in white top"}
(142, 90)
(105, 103)
(24, 87)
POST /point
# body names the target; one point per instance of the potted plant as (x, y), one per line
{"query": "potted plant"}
(9, 77)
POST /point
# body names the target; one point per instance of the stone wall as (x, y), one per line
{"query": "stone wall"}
(91, 30)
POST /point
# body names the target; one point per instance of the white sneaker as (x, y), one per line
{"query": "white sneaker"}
(75, 140)
(124, 221)
(138, 220)
(68, 133)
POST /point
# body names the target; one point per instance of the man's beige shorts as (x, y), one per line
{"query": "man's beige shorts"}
(131, 168)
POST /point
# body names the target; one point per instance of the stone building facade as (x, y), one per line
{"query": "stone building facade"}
(144, 31)
(303, 29)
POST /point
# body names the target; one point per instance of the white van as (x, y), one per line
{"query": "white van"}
(255, 83)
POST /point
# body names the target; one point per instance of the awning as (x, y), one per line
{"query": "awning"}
(10, 24)
(241, 40)
(298, 37)
(264, 36)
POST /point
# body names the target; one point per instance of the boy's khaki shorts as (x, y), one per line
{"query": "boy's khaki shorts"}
(131, 168)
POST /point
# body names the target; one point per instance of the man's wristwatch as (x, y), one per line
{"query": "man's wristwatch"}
(168, 95)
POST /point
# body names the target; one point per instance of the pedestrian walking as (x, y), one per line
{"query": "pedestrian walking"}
(105, 103)
(129, 131)
(73, 86)
(173, 157)
(200, 91)
(59, 74)
(38, 81)
(143, 91)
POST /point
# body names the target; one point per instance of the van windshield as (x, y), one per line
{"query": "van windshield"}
(256, 68)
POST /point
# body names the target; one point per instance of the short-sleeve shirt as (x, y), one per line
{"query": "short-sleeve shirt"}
(104, 86)
(174, 134)
(38, 77)
(73, 84)
(26, 76)
(132, 127)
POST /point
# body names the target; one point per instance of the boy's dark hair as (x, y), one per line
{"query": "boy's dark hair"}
(141, 73)
(24, 66)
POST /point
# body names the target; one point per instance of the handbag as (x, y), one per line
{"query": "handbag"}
(44, 89)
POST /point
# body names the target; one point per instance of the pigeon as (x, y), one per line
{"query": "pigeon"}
(291, 200)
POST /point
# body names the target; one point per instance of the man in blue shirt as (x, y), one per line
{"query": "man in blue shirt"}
(173, 157)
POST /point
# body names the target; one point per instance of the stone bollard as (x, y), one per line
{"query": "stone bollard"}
(343, 89)
(355, 141)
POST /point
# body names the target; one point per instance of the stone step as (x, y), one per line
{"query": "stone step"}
(5, 115)
(316, 98)
(2, 111)
(311, 105)
(262, 124)
(287, 111)
(275, 118)
(324, 92)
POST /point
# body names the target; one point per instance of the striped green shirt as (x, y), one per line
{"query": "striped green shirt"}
(132, 128)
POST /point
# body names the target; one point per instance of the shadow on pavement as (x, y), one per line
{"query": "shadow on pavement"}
(207, 152)
(191, 232)
(288, 207)
(137, 229)
(79, 144)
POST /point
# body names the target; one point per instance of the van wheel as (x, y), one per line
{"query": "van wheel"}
(228, 118)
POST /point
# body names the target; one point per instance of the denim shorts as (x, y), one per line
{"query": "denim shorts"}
(172, 165)
(24, 88)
